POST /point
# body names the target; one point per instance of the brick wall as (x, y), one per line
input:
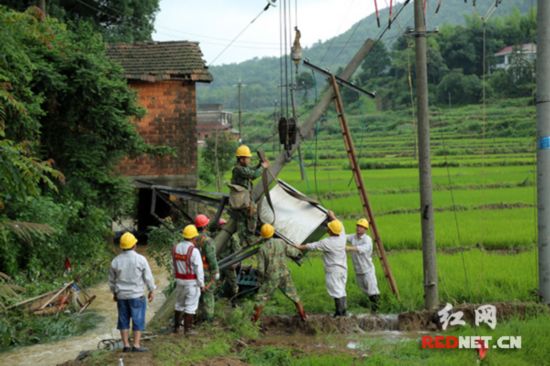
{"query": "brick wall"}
(171, 120)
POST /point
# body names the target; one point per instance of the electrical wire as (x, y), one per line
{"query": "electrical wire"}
(239, 34)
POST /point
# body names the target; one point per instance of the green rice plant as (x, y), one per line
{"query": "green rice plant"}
(472, 276)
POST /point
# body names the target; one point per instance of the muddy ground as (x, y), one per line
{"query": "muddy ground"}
(323, 334)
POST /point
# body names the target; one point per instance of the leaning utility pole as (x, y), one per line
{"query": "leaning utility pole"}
(424, 161)
(306, 130)
(543, 146)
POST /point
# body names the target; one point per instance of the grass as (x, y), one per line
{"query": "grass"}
(404, 349)
(19, 329)
(534, 351)
(490, 178)
(473, 276)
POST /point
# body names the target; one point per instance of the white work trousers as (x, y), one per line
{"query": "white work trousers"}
(187, 298)
(336, 283)
(367, 282)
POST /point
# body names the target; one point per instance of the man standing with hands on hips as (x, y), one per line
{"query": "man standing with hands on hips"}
(361, 256)
(129, 274)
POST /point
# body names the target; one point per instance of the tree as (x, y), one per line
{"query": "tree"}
(69, 110)
(219, 155)
(305, 81)
(463, 89)
(375, 65)
(117, 20)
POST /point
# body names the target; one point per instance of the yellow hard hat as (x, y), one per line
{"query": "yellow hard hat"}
(363, 222)
(127, 240)
(243, 151)
(189, 232)
(335, 226)
(267, 231)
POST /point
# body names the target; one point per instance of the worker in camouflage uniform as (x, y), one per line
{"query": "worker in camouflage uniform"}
(274, 273)
(207, 248)
(243, 208)
(229, 274)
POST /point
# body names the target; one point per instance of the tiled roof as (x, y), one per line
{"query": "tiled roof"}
(156, 61)
(526, 48)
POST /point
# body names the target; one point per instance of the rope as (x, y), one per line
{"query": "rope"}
(281, 72)
(451, 191)
(413, 111)
(315, 165)
(285, 55)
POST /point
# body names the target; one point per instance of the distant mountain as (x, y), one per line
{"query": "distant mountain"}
(261, 76)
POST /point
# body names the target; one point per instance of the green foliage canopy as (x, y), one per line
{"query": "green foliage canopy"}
(65, 112)
(117, 20)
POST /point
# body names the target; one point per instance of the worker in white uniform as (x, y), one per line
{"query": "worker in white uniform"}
(335, 262)
(361, 257)
(189, 275)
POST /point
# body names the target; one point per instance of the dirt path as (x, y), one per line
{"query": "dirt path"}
(58, 352)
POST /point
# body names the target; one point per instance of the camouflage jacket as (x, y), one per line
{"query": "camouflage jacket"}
(231, 247)
(272, 258)
(206, 247)
(244, 175)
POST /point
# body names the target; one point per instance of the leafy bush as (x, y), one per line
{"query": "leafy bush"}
(463, 89)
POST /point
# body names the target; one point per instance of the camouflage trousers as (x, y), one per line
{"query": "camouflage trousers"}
(245, 225)
(229, 277)
(268, 288)
(207, 300)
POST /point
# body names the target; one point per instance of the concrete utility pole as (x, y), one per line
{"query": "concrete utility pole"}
(240, 85)
(42, 5)
(543, 144)
(424, 162)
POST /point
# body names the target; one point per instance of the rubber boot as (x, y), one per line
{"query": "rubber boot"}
(188, 325)
(301, 311)
(336, 307)
(343, 306)
(340, 306)
(374, 302)
(257, 312)
(178, 317)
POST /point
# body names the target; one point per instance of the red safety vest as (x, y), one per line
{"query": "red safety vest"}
(186, 259)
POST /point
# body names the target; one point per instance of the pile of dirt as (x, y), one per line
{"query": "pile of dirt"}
(326, 324)
(223, 361)
(424, 320)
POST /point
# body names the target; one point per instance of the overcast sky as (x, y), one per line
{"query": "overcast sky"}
(214, 23)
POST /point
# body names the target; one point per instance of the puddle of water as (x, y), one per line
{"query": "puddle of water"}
(49, 354)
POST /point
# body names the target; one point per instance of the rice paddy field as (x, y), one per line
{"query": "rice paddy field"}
(484, 194)
(483, 183)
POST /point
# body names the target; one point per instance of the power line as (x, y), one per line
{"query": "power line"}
(239, 34)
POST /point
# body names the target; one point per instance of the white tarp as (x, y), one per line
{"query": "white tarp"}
(296, 219)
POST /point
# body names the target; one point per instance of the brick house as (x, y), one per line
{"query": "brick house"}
(164, 75)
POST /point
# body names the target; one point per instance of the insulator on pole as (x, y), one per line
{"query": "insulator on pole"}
(296, 50)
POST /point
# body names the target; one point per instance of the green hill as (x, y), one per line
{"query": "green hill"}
(261, 75)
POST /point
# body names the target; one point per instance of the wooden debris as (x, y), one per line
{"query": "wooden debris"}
(53, 302)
